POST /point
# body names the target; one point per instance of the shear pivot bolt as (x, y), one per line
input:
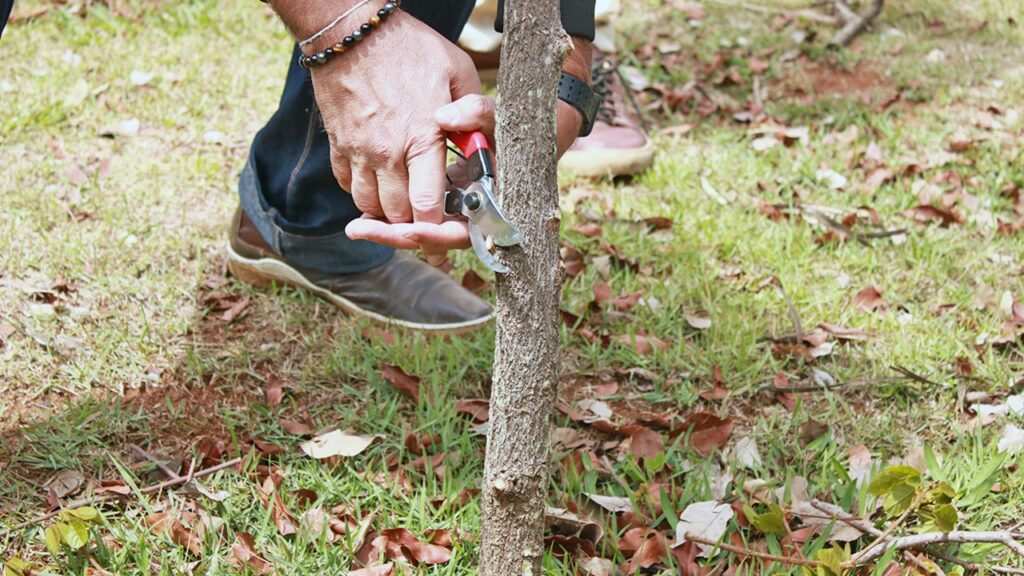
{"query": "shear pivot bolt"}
(472, 201)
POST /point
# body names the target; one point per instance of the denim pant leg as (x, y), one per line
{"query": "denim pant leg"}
(287, 187)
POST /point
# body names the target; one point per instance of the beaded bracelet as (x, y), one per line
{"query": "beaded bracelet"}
(349, 41)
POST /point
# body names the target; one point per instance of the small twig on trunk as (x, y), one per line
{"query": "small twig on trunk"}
(856, 23)
(791, 560)
(92, 501)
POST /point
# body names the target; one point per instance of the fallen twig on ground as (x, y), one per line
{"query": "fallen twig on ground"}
(156, 461)
(806, 13)
(956, 537)
(92, 501)
(906, 544)
(791, 560)
(854, 23)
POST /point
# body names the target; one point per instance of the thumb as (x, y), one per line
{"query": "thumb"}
(469, 113)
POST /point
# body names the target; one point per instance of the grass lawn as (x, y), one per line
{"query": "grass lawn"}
(847, 225)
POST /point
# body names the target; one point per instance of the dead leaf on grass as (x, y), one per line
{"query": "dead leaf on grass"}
(402, 544)
(614, 504)
(410, 385)
(645, 443)
(296, 428)
(565, 523)
(387, 569)
(274, 390)
(477, 408)
(473, 282)
(645, 546)
(870, 300)
(64, 483)
(708, 519)
(641, 343)
(337, 443)
(236, 310)
(243, 554)
(698, 320)
(718, 390)
(707, 432)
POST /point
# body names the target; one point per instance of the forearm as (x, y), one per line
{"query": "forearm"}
(576, 63)
(306, 17)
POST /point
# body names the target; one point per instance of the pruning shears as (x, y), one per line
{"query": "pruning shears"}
(488, 226)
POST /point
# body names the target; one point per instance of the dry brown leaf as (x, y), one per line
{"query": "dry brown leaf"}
(236, 310)
(707, 432)
(870, 300)
(477, 408)
(387, 569)
(297, 428)
(402, 544)
(473, 282)
(641, 343)
(274, 390)
(410, 385)
(243, 553)
(646, 443)
(64, 483)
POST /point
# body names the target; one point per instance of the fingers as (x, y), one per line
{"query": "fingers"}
(342, 172)
(465, 79)
(427, 184)
(393, 189)
(469, 113)
(364, 191)
(433, 238)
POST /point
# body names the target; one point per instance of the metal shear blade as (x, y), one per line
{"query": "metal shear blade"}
(487, 223)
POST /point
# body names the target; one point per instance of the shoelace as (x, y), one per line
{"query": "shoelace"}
(603, 72)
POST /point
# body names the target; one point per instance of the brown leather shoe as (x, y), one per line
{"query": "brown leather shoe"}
(618, 145)
(404, 291)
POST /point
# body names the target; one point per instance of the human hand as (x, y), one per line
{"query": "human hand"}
(378, 102)
(471, 113)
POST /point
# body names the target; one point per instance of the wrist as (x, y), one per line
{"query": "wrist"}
(356, 14)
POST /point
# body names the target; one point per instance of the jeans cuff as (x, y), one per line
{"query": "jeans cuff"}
(333, 252)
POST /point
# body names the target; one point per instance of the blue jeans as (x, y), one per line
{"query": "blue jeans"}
(287, 187)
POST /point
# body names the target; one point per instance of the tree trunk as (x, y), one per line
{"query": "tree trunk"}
(526, 351)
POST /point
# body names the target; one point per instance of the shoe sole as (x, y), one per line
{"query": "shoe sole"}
(597, 163)
(263, 272)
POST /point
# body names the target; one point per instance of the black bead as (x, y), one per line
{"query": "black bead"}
(329, 52)
(383, 14)
(390, 7)
(365, 29)
(348, 41)
(357, 35)
(321, 58)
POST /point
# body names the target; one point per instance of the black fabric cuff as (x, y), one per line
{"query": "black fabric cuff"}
(577, 17)
(5, 12)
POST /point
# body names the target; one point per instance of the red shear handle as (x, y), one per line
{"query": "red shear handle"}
(469, 142)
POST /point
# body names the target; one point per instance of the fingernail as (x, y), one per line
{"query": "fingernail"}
(447, 115)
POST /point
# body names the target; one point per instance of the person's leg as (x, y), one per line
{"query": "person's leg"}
(291, 225)
(618, 144)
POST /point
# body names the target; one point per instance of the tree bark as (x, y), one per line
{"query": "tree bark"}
(526, 351)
